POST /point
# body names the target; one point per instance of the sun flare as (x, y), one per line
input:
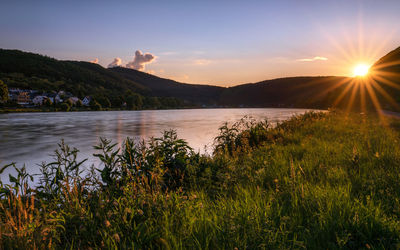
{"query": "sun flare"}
(361, 70)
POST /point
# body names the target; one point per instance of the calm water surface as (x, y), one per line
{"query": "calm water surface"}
(31, 138)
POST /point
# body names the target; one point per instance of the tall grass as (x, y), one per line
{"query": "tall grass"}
(319, 180)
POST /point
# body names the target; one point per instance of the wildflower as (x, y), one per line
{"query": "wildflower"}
(128, 211)
(116, 237)
(107, 223)
(140, 211)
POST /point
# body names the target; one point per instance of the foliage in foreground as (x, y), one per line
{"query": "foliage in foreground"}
(316, 181)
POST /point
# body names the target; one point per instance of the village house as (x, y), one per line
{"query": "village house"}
(54, 98)
(23, 98)
(26, 97)
(86, 100)
(73, 99)
(58, 98)
(39, 99)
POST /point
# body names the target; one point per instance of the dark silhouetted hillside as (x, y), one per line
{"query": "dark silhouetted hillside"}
(80, 78)
(196, 93)
(304, 92)
(386, 74)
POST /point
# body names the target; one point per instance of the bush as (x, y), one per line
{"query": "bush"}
(3, 92)
(65, 107)
(94, 105)
(79, 104)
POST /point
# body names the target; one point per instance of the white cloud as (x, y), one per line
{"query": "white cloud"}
(96, 60)
(115, 63)
(202, 62)
(315, 58)
(140, 60)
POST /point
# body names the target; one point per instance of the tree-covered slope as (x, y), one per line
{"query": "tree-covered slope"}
(28, 70)
(196, 93)
(307, 92)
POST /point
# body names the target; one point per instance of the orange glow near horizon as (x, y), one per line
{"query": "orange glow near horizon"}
(367, 85)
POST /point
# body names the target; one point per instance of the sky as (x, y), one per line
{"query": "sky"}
(207, 42)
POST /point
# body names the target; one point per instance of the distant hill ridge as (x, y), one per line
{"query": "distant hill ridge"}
(196, 93)
(83, 78)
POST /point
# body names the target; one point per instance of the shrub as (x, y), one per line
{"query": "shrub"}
(65, 107)
(94, 105)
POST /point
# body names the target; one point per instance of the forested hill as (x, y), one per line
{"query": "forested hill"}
(300, 92)
(386, 73)
(388, 68)
(28, 70)
(32, 71)
(389, 62)
(195, 93)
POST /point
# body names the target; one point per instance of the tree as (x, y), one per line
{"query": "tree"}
(65, 107)
(134, 101)
(3, 92)
(107, 103)
(69, 102)
(94, 105)
(79, 104)
(48, 102)
(153, 102)
(116, 101)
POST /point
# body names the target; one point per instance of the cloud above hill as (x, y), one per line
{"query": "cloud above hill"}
(140, 60)
(115, 63)
(315, 58)
(96, 60)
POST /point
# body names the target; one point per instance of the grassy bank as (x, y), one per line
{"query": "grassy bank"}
(316, 181)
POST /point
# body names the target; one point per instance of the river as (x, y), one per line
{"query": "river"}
(31, 138)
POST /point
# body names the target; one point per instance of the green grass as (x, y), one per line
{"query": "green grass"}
(317, 181)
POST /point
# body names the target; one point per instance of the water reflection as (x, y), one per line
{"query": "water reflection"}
(31, 138)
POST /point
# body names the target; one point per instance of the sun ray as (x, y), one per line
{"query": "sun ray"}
(385, 65)
(342, 95)
(374, 99)
(388, 74)
(337, 45)
(356, 85)
(377, 49)
(363, 104)
(360, 34)
(314, 82)
(385, 81)
(375, 85)
(333, 87)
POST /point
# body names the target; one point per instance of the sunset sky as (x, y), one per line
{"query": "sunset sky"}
(224, 43)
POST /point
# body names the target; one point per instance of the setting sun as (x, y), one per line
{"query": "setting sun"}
(361, 70)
